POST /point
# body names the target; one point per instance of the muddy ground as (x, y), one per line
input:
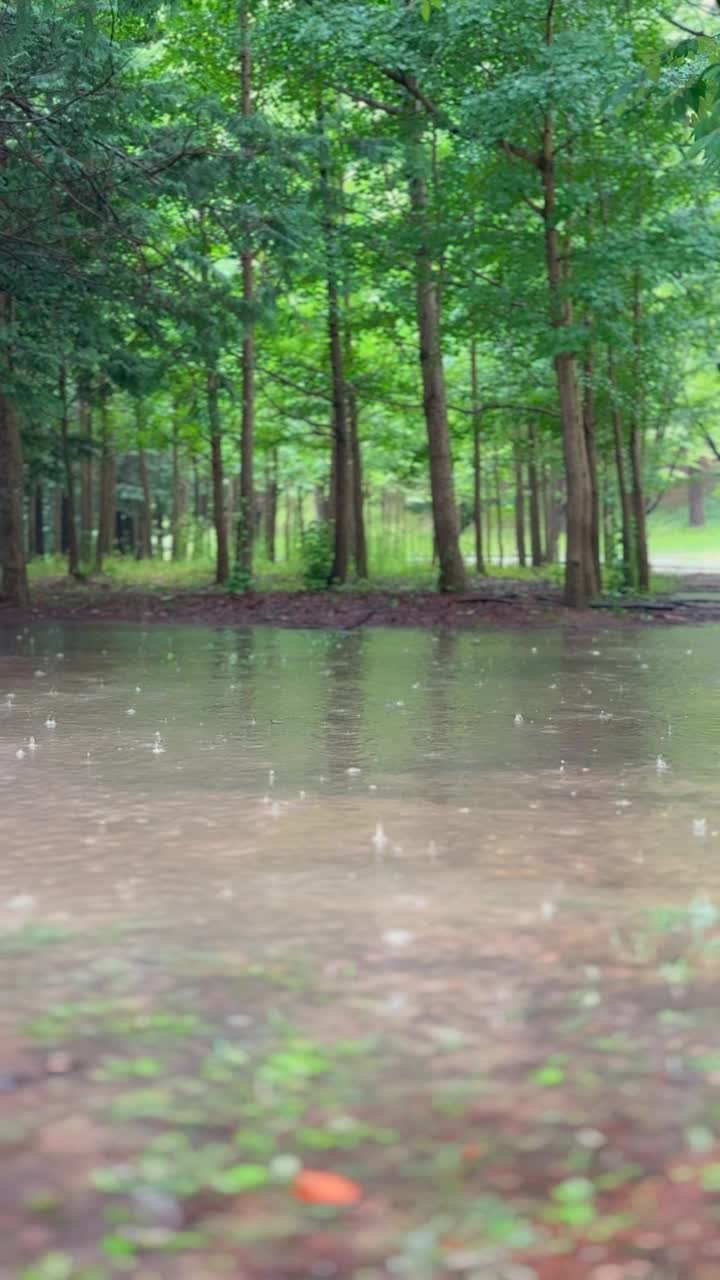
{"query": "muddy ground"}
(496, 602)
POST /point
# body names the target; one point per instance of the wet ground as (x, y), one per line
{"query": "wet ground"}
(488, 602)
(432, 913)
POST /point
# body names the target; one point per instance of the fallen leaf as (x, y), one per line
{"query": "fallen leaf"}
(317, 1186)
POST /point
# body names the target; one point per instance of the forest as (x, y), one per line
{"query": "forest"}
(277, 276)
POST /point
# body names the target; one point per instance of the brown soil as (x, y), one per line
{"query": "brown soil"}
(499, 603)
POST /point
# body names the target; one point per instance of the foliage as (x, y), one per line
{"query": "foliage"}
(316, 556)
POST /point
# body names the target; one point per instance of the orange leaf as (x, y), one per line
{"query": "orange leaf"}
(317, 1186)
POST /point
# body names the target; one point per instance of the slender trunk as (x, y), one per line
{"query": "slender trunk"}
(580, 577)
(588, 413)
(29, 524)
(38, 520)
(358, 501)
(341, 435)
(13, 565)
(608, 522)
(288, 531)
(86, 482)
(144, 547)
(477, 467)
(536, 554)
(106, 504)
(159, 530)
(357, 506)
(197, 508)
(271, 500)
(638, 507)
(636, 463)
(72, 538)
(488, 517)
(222, 557)
(623, 493)
(245, 529)
(696, 498)
(451, 575)
(300, 514)
(14, 585)
(519, 505)
(179, 512)
(499, 511)
(57, 519)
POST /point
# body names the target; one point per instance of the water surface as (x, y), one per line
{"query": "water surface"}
(485, 867)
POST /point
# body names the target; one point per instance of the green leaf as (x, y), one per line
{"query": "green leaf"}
(240, 1177)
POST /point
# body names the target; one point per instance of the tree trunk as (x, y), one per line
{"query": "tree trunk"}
(588, 412)
(86, 483)
(358, 500)
(271, 500)
(341, 435)
(29, 524)
(519, 506)
(445, 521)
(499, 511)
(38, 520)
(72, 537)
(696, 498)
(245, 529)
(581, 582)
(180, 495)
(638, 506)
(477, 468)
(222, 557)
(636, 465)
(106, 504)
(57, 519)
(488, 517)
(144, 547)
(14, 584)
(623, 493)
(288, 530)
(536, 552)
(608, 522)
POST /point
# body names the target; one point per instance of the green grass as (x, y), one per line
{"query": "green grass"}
(399, 557)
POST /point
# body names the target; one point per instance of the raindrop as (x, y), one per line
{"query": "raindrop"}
(699, 827)
(20, 754)
(158, 747)
(661, 765)
(397, 937)
(32, 744)
(130, 711)
(519, 719)
(50, 723)
(353, 771)
(21, 902)
(379, 839)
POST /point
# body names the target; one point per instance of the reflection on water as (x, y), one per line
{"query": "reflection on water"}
(241, 777)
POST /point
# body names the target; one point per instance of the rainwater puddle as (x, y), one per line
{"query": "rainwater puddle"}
(491, 860)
